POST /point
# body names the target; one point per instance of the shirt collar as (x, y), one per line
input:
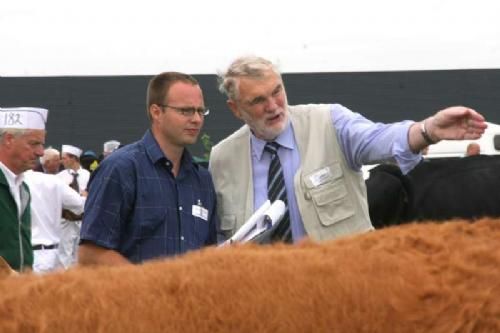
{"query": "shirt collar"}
(12, 179)
(285, 139)
(156, 155)
(72, 172)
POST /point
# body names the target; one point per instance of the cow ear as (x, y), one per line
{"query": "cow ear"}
(5, 269)
(496, 142)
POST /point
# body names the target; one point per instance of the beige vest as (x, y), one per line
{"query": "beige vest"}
(331, 196)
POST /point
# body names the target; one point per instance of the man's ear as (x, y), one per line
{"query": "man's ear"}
(154, 111)
(234, 108)
(8, 138)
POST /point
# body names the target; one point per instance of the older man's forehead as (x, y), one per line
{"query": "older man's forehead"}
(35, 134)
(250, 88)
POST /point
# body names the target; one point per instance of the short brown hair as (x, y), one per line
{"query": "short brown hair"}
(160, 84)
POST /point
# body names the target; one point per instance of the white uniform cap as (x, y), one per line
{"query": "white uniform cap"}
(110, 146)
(23, 118)
(71, 150)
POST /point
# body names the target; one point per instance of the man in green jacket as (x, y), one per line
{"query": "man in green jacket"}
(22, 139)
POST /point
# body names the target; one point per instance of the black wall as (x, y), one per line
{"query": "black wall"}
(86, 111)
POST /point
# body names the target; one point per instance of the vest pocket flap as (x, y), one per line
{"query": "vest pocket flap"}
(227, 222)
(322, 176)
(332, 203)
(328, 193)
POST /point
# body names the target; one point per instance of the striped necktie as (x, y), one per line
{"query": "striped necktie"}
(276, 190)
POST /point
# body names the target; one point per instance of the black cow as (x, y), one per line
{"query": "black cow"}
(436, 189)
(457, 187)
(390, 194)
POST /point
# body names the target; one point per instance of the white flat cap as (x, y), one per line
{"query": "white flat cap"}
(110, 146)
(71, 150)
(23, 118)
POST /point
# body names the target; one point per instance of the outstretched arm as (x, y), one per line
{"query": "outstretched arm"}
(453, 123)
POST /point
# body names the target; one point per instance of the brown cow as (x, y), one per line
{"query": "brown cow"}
(413, 278)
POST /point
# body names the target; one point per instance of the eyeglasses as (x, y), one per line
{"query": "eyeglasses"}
(187, 111)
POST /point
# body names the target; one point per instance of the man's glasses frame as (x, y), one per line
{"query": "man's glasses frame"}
(187, 111)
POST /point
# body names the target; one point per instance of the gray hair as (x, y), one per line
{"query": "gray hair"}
(16, 132)
(49, 153)
(248, 66)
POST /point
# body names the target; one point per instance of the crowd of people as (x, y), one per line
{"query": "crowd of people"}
(56, 191)
(149, 199)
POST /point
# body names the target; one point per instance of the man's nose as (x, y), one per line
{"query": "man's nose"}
(271, 104)
(197, 117)
(39, 150)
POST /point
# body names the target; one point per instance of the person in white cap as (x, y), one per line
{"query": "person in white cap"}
(109, 147)
(49, 195)
(22, 137)
(77, 178)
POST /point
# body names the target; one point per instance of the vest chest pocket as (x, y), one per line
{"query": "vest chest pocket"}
(331, 202)
(327, 190)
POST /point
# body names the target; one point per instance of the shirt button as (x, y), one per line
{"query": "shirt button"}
(180, 207)
(182, 238)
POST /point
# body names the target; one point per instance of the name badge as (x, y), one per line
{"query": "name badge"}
(320, 176)
(200, 212)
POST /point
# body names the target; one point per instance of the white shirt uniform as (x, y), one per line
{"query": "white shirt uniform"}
(83, 177)
(49, 195)
(70, 232)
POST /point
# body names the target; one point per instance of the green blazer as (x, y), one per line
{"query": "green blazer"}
(15, 235)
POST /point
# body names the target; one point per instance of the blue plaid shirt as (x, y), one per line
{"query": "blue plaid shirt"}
(137, 207)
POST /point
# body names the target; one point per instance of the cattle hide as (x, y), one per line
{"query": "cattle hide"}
(5, 269)
(413, 278)
(390, 195)
(436, 189)
(456, 188)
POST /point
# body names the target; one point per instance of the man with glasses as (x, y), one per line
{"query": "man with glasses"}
(310, 156)
(148, 199)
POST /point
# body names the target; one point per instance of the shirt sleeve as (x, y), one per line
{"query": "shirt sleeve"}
(70, 199)
(108, 204)
(366, 142)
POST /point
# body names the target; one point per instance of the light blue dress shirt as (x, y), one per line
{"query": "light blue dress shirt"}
(361, 140)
